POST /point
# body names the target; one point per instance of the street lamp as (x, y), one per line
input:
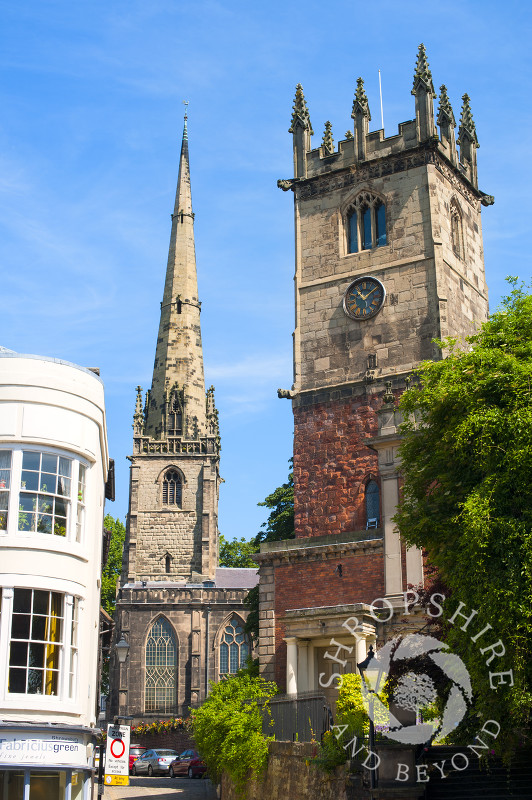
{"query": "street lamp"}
(369, 672)
(122, 649)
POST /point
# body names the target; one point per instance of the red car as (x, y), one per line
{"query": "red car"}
(135, 751)
(188, 763)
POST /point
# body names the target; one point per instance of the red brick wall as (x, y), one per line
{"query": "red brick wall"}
(332, 464)
(310, 584)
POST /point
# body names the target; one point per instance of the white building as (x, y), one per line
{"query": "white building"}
(53, 469)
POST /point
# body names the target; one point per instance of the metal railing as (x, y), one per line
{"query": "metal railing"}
(301, 717)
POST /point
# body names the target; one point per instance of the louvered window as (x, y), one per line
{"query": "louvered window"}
(172, 488)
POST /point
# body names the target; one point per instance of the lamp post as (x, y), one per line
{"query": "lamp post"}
(122, 649)
(369, 669)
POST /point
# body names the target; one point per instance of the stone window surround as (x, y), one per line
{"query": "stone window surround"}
(147, 633)
(457, 229)
(184, 505)
(217, 640)
(348, 207)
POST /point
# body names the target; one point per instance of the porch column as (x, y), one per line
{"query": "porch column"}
(303, 684)
(291, 665)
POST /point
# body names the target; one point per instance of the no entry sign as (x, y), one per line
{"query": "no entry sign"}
(117, 756)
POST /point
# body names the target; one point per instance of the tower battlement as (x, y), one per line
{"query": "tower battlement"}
(362, 146)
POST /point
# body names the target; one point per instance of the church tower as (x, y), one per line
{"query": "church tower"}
(173, 513)
(179, 614)
(388, 258)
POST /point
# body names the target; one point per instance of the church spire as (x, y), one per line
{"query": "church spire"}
(178, 366)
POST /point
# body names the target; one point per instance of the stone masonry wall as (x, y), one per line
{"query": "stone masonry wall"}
(332, 464)
(289, 776)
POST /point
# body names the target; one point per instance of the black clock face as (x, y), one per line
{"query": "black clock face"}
(364, 298)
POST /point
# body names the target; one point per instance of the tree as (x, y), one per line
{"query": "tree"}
(113, 566)
(237, 553)
(280, 523)
(228, 728)
(467, 501)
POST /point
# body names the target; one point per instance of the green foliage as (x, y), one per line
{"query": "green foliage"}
(350, 708)
(237, 553)
(228, 729)
(467, 501)
(280, 523)
(112, 568)
(251, 601)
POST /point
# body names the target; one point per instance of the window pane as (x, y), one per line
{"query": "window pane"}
(353, 233)
(46, 504)
(161, 672)
(17, 680)
(224, 659)
(18, 655)
(49, 463)
(29, 480)
(41, 601)
(20, 626)
(44, 524)
(37, 655)
(65, 467)
(27, 502)
(30, 460)
(372, 500)
(48, 482)
(380, 218)
(366, 224)
(22, 600)
(38, 628)
(233, 653)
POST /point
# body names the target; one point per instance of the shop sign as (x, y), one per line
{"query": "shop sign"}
(42, 748)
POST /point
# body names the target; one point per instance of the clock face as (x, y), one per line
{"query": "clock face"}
(364, 298)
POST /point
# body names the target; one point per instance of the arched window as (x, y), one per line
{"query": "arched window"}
(172, 488)
(456, 231)
(167, 562)
(161, 668)
(372, 504)
(234, 648)
(366, 223)
(175, 418)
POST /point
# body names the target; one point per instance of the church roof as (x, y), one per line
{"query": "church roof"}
(236, 577)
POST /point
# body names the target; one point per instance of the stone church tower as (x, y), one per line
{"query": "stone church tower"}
(388, 257)
(180, 613)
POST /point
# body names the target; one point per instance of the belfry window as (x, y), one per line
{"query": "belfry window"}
(366, 223)
(161, 668)
(172, 488)
(372, 504)
(234, 649)
(175, 418)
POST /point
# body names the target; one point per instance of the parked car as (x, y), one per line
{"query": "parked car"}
(135, 751)
(188, 763)
(154, 762)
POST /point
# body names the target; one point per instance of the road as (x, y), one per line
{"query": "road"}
(165, 788)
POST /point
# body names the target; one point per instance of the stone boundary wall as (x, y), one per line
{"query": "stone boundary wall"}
(290, 776)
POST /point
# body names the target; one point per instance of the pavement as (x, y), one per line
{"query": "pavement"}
(165, 788)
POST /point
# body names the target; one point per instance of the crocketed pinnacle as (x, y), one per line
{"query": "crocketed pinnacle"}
(445, 111)
(300, 115)
(328, 141)
(422, 74)
(360, 103)
(467, 125)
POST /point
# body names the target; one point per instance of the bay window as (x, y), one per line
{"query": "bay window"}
(38, 493)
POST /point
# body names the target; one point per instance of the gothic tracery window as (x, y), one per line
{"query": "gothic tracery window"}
(175, 418)
(172, 488)
(366, 223)
(161, 668)
(234, 648)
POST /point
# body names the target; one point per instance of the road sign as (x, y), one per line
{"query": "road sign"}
(117, 756)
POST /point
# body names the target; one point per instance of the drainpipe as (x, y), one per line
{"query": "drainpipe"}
(207, 650)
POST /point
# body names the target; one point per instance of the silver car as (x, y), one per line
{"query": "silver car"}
(154, 762)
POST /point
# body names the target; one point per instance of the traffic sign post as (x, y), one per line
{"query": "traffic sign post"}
(117, 756)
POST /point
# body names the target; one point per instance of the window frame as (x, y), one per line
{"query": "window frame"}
(64, 696)
(173, 637)
(75, 508)
(177, 502)
(365, 206)
(235, 622)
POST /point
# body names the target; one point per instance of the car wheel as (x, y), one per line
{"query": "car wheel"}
(133, 770)
(190, 773)
(150, 770)
(172, 773)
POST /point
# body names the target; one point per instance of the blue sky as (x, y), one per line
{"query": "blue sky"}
(91, 96)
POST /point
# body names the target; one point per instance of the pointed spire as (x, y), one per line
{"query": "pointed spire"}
(138, 416)
(300, 115)
(445, 111)
(179, 355)
(328, 141)
(467, 126)
(360, 103)
(422, 74)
